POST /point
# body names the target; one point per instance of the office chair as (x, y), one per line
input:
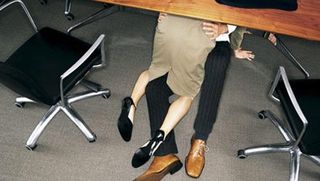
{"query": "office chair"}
(47, 67)
(67, 8)
(300, 100)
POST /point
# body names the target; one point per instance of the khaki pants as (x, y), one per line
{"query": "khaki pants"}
(236, 37)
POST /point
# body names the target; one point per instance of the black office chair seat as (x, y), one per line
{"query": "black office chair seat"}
(307, 93)
(51, 53)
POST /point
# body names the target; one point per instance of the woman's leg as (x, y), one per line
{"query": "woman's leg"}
(177, 110)
(138, 91)
(125, 121)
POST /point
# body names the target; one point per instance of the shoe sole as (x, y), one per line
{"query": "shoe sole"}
(172, 169)
(125, 126)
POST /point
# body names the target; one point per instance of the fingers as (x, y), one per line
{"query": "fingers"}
(210, 29)
(209, 26)
(273, 39)
(211, 35)
(161, 17)
(249, 55)
(244, 54)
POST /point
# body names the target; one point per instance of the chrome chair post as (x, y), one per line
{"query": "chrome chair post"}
(294, 165)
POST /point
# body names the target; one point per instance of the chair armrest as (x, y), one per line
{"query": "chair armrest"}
(282, 74)
(97, 43)
(5, 5)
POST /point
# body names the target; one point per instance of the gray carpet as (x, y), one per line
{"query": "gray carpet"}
(64, 154)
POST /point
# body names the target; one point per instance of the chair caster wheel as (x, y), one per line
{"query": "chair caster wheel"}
(106, 96)
(262, 115)
(20, 104)
(43, 2)
(241, 154)
(94, 139)
(69, 17)
(31, 148)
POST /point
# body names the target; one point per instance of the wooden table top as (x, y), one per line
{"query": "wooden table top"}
(303, 23)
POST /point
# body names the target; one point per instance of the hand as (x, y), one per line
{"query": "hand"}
(213, 30)
(244, 54)
(161, 17)
(273, 39)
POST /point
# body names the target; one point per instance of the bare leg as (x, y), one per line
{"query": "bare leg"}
(177, 110)
(138, 91)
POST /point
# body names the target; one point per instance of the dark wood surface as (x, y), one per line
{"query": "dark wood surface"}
(303, 23)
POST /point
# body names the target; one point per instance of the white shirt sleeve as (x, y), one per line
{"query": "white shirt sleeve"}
(225, 36)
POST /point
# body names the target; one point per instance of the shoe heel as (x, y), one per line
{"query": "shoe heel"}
(176, 167)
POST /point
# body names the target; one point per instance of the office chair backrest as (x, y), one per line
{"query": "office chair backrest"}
(281, 86)
(300, 100)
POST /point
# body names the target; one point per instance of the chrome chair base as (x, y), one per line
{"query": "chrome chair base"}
(68, 110)
(287, 147)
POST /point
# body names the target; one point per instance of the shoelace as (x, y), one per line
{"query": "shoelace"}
(202, 147)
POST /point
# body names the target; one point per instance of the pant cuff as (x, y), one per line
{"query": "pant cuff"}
(201, 136)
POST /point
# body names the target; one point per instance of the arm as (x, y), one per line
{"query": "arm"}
(235, 42)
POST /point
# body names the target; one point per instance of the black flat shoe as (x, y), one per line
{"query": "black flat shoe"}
(143, 154)
(124, 123)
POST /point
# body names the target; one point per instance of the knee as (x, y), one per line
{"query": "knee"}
(144, 75)
(186, 99)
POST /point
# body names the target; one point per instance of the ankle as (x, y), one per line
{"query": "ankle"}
(131, 113)
(160, 134)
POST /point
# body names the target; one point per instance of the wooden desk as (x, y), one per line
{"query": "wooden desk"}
(303, 23)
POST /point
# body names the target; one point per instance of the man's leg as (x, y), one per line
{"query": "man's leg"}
(211, 90)
(210, 93)
(165, 160)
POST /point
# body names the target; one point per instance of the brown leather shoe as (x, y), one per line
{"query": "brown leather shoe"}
(160, 167)
(195, 160)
